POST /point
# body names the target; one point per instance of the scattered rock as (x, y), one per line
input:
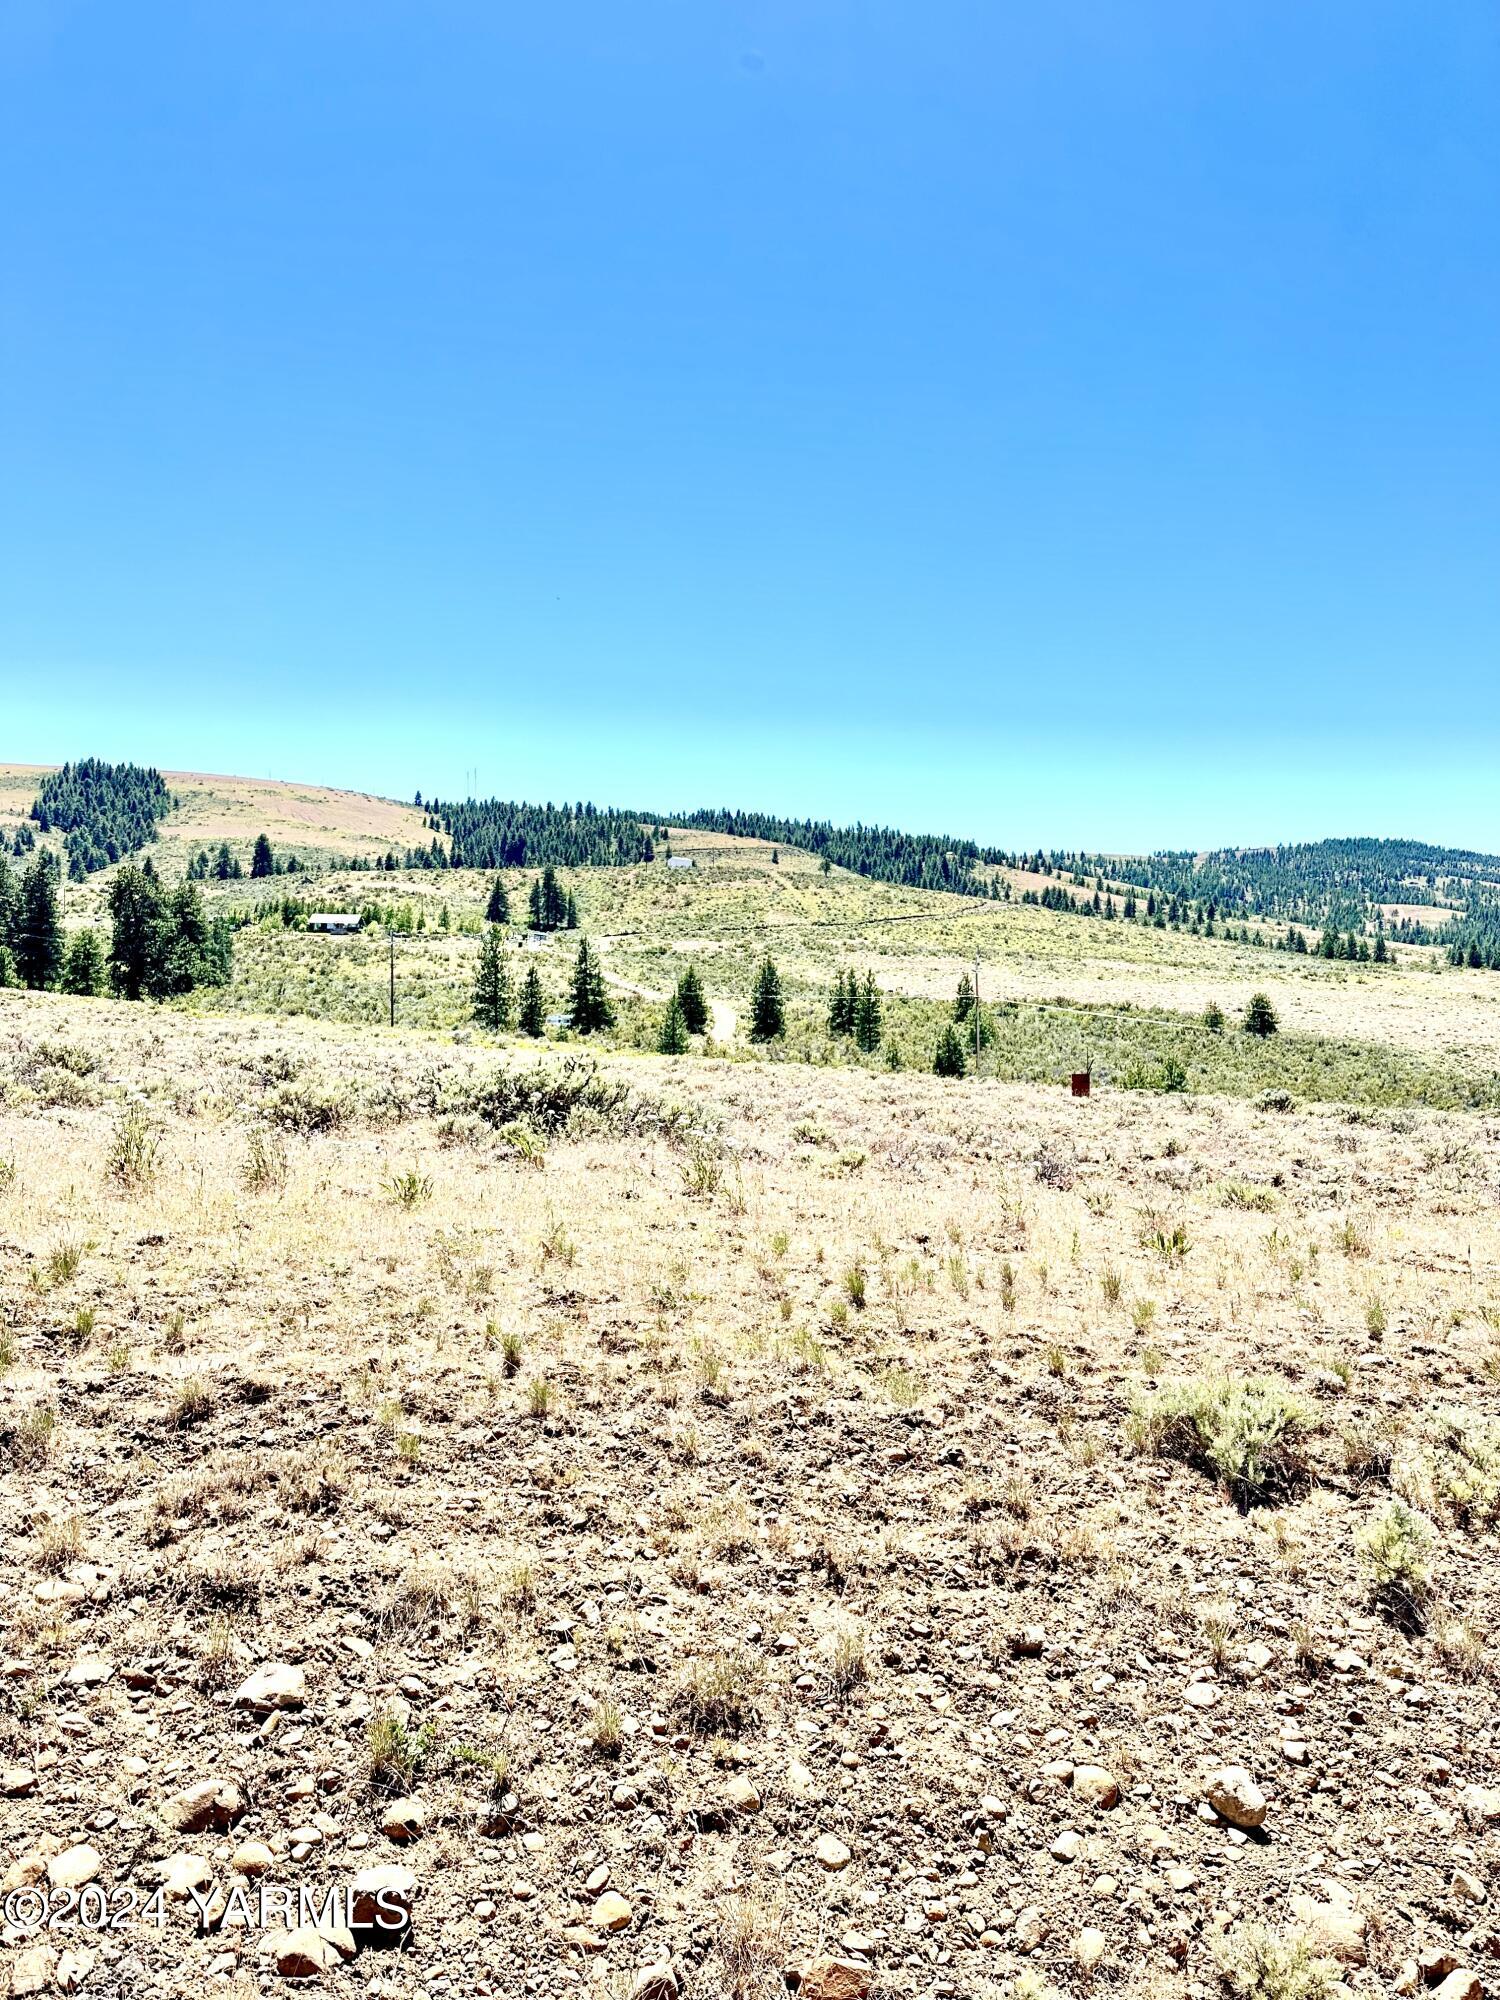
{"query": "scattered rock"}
(275, 1686)
(17, 1781)
(1235, 1796)
(252, 1858)
(1461, 1984)
(381, 1898)
(655, 1982)
(831, 1853)
(1067, 1846)
(1030, 1928)
(73, 1867)
(741, 1795)
(1095, 1786)
(611, 1912)
(32, 1971)
(306, 1954)
(212, 1803)
(1089, 1948)
(404, 1819)
(180, 1873)
(833, 1979)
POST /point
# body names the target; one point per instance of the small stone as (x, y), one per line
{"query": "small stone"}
(1027, 1641)
(1468, 1888)
(1095, 1786)
(381, 1898)
(800, 1781)
(1067, 1846)
(305, 1954)
(17, 1781)
(1089, 1948)
(1461, 1984)
(404, 1819)
(253, 1857)
(611, 1912)
(831, 1853)
(180, 1873)
(90, 1673)
(655, 1982)
(1435, 1963)
(271, 1687)
(1030, 1928)
(740, 1794)
(73, 1867)
(1235, 1796)
(835, 1979)
(212, 1803)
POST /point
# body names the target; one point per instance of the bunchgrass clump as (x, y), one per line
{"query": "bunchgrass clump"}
(718, 1692)
(397, 1752)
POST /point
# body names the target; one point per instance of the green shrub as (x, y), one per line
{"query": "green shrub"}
(1395, 1547)
(1250, 1435)
(1257, 1963)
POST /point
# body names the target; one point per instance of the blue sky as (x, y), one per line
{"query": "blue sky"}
(1074, 424)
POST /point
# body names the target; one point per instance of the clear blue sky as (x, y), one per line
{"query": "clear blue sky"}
(1075, 423)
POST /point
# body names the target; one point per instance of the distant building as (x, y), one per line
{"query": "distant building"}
(342, 923)
(679, 860)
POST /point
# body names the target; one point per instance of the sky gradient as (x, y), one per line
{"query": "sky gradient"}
(1065, 425)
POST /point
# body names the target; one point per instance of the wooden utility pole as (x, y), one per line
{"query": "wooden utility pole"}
(393, 978)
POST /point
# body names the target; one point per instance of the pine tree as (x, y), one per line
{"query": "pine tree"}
(497, 910)
(7, 966)
(533, 1016)
(10, 903)
(1382, 954)
(570, 912)
(492, 992)
(38, 941)
(842, 1002)
(1260, 1016)
(534, 906)
(767, 1016)
(673, 1039)
(83, 967)
(590, 1005)
(867, 1016)
(694, 1006)
(948, 1057)
(262, 861)
(135, 907)
(963, 1004)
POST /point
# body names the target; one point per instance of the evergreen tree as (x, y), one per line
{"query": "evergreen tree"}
(590, 1005)
(842, 1003)
(1260, 1016)
(867, 1016)
(10, 903)
(38, 940)
(534, 906)
(533, 1016)
(963, 1004)
(673, 1039)
(83, 967)
(1382, 954)
(1213, 1018)
(492, 991)
(767, 1016)
(570, 908)
(135, 910)
(948, 1057)
(497, 910)
(7, 966)
(690, 999)
(262, 861)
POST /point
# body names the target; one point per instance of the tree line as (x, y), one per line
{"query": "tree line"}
(162, 941)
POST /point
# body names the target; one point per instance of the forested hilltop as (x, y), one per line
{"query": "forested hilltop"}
(103, 811)
(1317, 882)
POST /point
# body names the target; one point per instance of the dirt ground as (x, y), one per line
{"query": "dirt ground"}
(717, 1527)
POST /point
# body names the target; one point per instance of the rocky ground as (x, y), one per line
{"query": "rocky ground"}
(706, 1530)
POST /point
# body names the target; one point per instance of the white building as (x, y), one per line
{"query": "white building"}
(342, 923)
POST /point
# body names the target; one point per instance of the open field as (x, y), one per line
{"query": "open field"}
(743, 1494)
